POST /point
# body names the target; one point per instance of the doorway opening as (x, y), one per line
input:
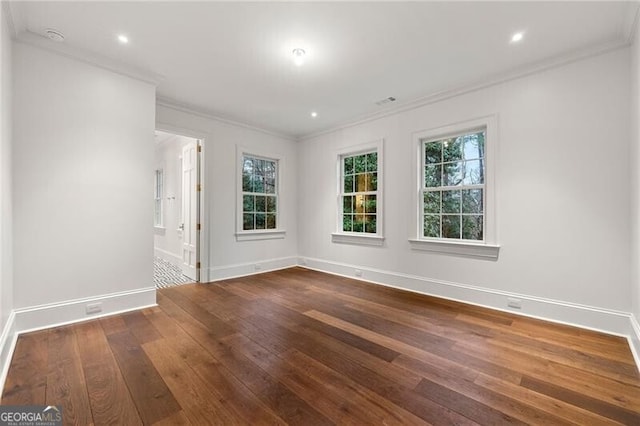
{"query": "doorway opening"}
(176, 216)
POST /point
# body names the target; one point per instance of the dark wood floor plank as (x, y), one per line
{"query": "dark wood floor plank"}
(66, 384)
(302, 347)
(149, 392)
(111, 403)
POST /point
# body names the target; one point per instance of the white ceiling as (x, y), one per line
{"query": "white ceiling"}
(234, 59)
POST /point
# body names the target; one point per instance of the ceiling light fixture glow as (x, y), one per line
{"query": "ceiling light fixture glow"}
(314, 114)
(123, 39)
(517, 37)
(298, 56)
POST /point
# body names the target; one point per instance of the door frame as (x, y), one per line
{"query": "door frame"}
(202, 239)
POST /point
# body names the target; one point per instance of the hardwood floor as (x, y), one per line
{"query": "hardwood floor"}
(305, 348)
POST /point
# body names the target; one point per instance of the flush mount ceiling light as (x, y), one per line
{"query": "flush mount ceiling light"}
(314, 114)
(517, 37)
(123, 39)
(54, 35)
(298, 56)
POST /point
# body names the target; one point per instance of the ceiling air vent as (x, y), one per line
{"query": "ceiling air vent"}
(54, 35)
(386, 101)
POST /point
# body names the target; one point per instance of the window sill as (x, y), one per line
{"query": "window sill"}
(367, 240)
(465, 249)
(159, 229)
(270, 234)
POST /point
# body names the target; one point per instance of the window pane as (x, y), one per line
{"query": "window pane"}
(432, 176)
(474, 146)
(432, 202)
(372, 182)
(246, 182)
(347, 223)
(270, 185)
(433, 152)
(361, 182)
(261, 220)
(452, 149)
(472, 201)
(260, 204)
(247, 221)
(372, 162)
(348, 184)
(271, 221)
(474, 172)
(431, 226)
(271, 204)
(248, 204)
(347, 204)
(450, 201)
(358, 224)
(359, 163)
(258, 184)
(358, 205)
(370, 204)
(370, 224)
(348, 165)
(247, 165)
(452, 174)
(472, 227)
(450, 226)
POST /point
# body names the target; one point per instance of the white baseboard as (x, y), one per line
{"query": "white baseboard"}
(634, 339)
(7, 346)
(72, 311)
(172, 258)
(243, 269)
(588, 317)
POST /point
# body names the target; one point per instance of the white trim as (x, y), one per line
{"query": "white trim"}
(97, 60)
(267, 234)
(360, 238)
(352, 238)
(251, 268)
(588, 317)
(198, 112)
(172, 258)
(8, 341)
(634, 339)
(460, 248)
(71, 311)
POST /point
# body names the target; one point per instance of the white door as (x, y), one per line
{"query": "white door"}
(189, 209)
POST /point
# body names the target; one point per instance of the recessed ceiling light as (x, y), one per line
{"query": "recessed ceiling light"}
(517, 37)
(298, 56)
(54, 35)
(314, 114)
(123, 39)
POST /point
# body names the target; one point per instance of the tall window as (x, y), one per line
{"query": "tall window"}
(157, 197)
(359, 177)
(453, 186)
(259, 193)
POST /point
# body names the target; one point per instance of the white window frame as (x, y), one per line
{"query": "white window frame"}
(487, 249)
(362, 238)
(259, 234)
(158, 196)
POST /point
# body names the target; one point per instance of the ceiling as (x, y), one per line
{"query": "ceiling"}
(234, 59)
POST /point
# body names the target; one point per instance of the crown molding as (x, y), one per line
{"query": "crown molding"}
(62, 49)
(199, 112)
(496, 79)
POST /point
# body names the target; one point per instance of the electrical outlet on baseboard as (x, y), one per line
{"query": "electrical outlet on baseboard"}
(514, 303)
(93, 308)
(358, 272)
(257, 266)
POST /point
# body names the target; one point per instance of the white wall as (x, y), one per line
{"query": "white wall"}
(226, 256)
(562, 187)
(635, 180)
(167, 242)
(6, 223)
(83, 175)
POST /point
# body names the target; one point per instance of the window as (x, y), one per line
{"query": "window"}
(453, 186)
(259, 209)
(455, 197)
(359, 195)
(157, 197)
